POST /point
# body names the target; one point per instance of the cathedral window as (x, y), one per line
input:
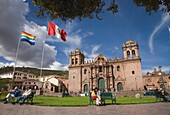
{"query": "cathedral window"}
(100, 68)
(118, 68)
(85, 71)
(149, 80)
(133, 72)
(76, 61)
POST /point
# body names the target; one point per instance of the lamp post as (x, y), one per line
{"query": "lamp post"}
(89, 82)
(161, 77)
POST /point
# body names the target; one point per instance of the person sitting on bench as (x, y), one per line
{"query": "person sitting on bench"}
(24, 96)
(94, 93)
(13, 93)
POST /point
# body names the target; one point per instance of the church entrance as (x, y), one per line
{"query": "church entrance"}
(162, 86)
(119, 86)
(101, 84)
(85, 88)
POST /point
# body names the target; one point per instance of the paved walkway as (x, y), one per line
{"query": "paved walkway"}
(139, 109)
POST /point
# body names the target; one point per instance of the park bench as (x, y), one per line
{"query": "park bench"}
(29, 100)
(104, 96)
(158, 96)
(108, 96)
(65, 94)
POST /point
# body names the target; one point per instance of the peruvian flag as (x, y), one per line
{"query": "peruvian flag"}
(54, 30)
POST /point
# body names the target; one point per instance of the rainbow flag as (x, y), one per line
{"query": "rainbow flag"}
(28, 38)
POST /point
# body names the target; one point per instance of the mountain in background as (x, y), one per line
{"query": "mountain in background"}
(34, 71)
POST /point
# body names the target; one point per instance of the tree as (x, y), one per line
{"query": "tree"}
(71, 9)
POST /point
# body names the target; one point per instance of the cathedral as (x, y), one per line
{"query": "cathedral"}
(106, 74)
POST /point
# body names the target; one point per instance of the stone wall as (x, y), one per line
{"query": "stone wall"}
(128, 93)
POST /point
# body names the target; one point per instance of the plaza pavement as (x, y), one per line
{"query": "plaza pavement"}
(135, 109)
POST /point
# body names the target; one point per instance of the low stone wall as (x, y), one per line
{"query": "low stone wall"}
(129, 93)
(53, 94)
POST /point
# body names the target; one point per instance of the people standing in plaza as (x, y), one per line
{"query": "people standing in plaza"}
(98, 99)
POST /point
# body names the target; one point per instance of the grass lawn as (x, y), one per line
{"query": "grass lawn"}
(84, 101)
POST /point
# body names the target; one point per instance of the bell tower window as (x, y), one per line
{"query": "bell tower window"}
(128, 54)
(133, 53)
(76, 61)
(72, 61)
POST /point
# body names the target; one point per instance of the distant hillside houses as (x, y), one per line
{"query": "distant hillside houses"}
(49, 85)
(6, 75)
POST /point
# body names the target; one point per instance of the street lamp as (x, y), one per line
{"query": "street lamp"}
(160, 73)
(89, 82)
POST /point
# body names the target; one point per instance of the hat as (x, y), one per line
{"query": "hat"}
(16, 88)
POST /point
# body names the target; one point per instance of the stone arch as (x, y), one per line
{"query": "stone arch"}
(119, 86)
(162, 86)
(128, 54)
(101, 83)
(86, 88)
(133, 53)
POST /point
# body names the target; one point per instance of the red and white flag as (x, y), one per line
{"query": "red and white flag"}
(54, 30)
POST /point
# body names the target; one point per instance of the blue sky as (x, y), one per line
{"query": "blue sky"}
(91, 36)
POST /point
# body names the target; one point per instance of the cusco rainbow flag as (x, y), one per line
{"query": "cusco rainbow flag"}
(28, 38)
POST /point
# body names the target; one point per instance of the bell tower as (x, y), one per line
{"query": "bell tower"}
(76, 58)
(75, 71)
(130, 50)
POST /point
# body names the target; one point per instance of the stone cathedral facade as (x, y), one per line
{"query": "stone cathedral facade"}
(106, 74)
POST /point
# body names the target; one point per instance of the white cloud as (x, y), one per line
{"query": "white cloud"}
(116, 48)
(74, 39)
(58, 66)
(162, 23)
(94, 53)
(12, 14)
(13, 22)
(6, 64)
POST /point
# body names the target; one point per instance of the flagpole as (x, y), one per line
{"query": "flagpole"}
(16, 56)
(42, 59)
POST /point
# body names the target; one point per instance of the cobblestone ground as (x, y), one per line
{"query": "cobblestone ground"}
(138, 109)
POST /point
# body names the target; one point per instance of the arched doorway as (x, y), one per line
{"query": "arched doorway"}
(162, 86)
(85, 88)
(119, 86)
(101, 84)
